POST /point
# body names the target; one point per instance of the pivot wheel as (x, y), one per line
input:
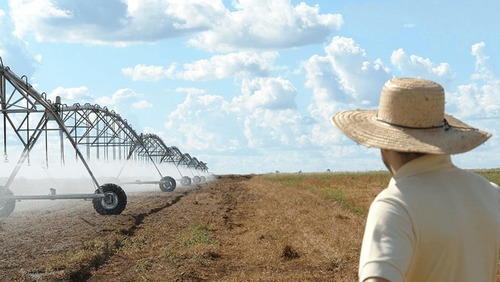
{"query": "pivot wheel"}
(6, 205)
(196, 179)
(167, 184)
(113, 202)
(186, 181)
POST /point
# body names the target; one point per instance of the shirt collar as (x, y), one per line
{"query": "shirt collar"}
(423, 164)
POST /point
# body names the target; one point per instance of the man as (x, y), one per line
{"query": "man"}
(434, 221)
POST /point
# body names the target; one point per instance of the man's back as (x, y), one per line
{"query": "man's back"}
(434, 222)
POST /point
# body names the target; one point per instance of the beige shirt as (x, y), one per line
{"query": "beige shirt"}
(434, 222)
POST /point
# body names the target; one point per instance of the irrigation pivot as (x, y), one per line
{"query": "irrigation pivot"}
(31, 123)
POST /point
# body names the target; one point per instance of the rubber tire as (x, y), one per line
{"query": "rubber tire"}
(196, 179)
(119, 200)
(7, 206)
(170, 184)
(203, 179)
(185, 181)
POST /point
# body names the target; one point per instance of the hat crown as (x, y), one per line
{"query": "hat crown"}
(412, 102)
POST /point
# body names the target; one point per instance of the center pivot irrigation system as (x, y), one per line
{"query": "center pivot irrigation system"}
(92, 132)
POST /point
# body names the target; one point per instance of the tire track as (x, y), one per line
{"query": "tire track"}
(111, 248)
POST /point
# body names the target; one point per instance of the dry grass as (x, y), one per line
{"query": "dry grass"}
(275, 227)
(255, 230)
(353, 191)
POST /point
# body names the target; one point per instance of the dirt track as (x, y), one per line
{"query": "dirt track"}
(237, 228)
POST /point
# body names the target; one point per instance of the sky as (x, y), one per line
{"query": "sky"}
(248, 86)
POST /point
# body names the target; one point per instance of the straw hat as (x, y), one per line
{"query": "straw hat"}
(410, 118)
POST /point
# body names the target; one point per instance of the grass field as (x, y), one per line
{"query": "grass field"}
(492, 175)
(352, 190)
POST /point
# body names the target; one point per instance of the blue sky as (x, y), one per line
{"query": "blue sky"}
(249, 86)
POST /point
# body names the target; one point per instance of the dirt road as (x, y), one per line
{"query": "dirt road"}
(238, 228)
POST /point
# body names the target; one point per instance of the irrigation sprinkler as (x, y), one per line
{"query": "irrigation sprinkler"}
(29, 115)
(93, 133)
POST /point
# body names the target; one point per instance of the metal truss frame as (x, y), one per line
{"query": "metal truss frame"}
(93, 132)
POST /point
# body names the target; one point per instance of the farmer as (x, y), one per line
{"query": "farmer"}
(434, 221)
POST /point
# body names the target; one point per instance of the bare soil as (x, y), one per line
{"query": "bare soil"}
(237, 228)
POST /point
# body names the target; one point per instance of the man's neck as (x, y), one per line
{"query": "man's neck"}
(394, 160)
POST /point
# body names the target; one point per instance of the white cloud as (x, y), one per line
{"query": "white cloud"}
(113, 21)
(260, 24)
(240, 64)
(13, 51)
(202, 122)
(264, 24)
(26, 15)
(190, 90)
(267, 112)
(465, 101)
(357, 76)
(480, 97)
(71, 95)
(117, 97)
(421, 67)
(143, 104)
(265, 128)
(478, 52)
(266, 93)
(149, 73)
(263, 116)
(263, 119)
(342, 79)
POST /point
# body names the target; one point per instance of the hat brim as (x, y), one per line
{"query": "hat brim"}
(363, 127)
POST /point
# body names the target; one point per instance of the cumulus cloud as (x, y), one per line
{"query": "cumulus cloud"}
(117, 97)
(265, 24)
(149, 73)
(111, 22)
(480, 97)
(71, 95)
(341, 79)
(479, 53)
(266, 93)
(26, 15)
(13, 51)
(263, 116)
(143, 104)
(268, 112)
(414, 65)
(356, 75)
(215, 27)
(238, 65)
(203, 122)
(265, 128)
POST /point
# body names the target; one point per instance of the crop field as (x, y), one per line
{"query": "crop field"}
(272, 227)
